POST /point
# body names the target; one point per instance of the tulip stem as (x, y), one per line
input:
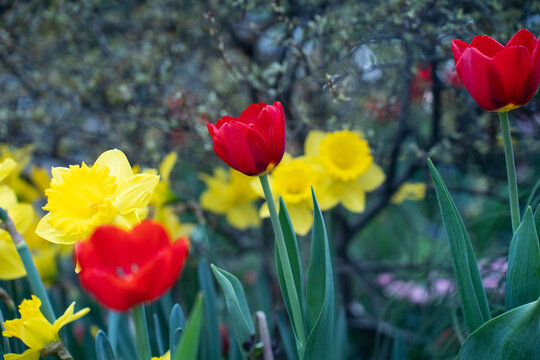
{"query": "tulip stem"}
(141, 332)
(297, 315)
(510, 170)
(31, 271)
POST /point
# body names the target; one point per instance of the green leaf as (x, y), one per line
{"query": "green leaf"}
(237, 306)
(320, 293)
(469, 283)
(104, 349)
(158, 334)
(211, 341)
(177, 324)
(293, 253)
(287, 339)
(512, 335)
(537, 221)
(523, 275)
(189, 345)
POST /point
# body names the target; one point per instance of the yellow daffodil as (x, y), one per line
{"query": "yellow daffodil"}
(230, 194)
(80, 198)
(348, 165)
(6, 168)
(409, 191)
(22, 215)
(166, 356)
(292, 180)
(40, 178)
(163, 193)
(34, 330)
(22, 156)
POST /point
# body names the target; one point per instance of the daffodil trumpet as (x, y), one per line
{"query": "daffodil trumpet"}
(31, 271)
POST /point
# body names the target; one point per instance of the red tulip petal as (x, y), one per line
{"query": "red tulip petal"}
(486, 45)
(250, 115)
(212, 129)
(112, 291)
(224, 120)
(271, 124)
(531, 84)
(513, 64)
(105, 248)
(458, 47)
(524, 38)
(242, 147)
(481, 78)
(146, 241)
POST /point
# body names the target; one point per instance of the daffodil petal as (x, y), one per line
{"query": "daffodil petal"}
(46, 231)
(354, 198)
(68, 316)
(167, 165)
(313, 142)
(6, 168)
(7, 197)
(372, 178)
(11, 265)
(30, 354)
(135, 192)
(301, 217)
(37, 333)
(117, 163)
(243, 216)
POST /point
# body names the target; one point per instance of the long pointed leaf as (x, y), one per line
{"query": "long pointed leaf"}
(469, 283)
(177, 324)
(211, 342)
(512, 335)
(523, 276)
(320, 293)
(189, 345)
(237, 306)
(293, 253)
(104, 349)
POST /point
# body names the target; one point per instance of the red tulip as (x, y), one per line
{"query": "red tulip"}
(254, 143)
(123, 269)
(500, 78)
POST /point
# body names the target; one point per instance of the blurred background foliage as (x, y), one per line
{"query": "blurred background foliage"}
(81, 77)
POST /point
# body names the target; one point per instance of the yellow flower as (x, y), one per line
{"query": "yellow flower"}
(40, 178)
(409, 191)
(292, 180)
(80, 198)
(24, 190)
(166, 356)
(34, 330)
(349, 169)
(232, 195)
(22, 215)
(163, 193)
(6, 168)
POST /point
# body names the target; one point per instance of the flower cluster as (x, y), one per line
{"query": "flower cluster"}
(338, 165)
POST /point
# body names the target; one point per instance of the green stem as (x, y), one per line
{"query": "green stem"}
(297, 316)
(35, 282)
(510, 170)
(31, 271)
(141, 332)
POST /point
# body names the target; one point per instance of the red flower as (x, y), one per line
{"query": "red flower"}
(123, 269)
(254, 143)
(499, 78)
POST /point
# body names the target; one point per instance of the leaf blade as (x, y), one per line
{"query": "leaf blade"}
(469, 283)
